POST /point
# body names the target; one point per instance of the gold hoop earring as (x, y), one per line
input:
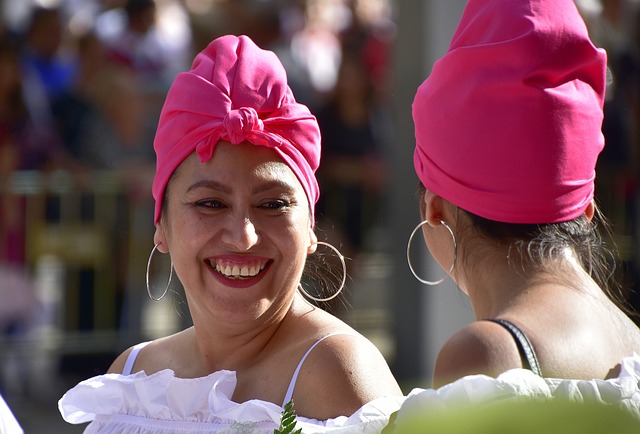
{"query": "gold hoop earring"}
(166, 289)
(344, 277)
(455, 254)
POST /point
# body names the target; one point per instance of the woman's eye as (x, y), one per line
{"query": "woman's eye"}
(275, 204)
(209, 203)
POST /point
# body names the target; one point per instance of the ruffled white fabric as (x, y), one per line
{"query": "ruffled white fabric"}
(623, 391)
(163, 403)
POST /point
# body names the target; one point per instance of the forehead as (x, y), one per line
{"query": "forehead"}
(239, 165)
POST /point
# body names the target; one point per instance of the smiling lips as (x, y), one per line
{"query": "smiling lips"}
(238, 270)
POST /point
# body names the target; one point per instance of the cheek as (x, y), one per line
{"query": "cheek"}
(300, 230)
(293, 238)
(185, 232)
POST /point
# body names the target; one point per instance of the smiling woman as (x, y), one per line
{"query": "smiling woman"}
(235, 192)
(242, 210)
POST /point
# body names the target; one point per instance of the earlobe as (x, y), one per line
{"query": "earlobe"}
(433, 208)
(160, 240)
(313, 239)
(590, 210)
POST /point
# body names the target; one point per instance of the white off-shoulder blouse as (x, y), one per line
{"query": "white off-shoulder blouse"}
(622, 391)
(161, 403)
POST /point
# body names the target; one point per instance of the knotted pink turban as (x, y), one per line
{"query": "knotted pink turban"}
(235, 92)
(508, 124)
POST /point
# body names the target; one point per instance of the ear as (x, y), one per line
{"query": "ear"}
(313, 242)
(160, 239)
(433, 208)
(590, 211)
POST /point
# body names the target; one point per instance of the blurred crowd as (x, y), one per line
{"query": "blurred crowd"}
(82, 83)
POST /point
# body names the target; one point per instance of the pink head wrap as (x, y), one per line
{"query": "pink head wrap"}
(508, 124)
(235, 92)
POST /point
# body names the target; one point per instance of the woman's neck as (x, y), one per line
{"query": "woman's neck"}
(496, 282)
(221, 346)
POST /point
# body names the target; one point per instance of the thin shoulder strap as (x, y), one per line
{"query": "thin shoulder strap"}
(294, 379)
(131, 359)
(527, 354)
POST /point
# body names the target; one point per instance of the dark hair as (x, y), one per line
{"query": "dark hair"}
(540, 242)
(321, 277)
(10, 51)
(41, 13)
(543, 244)
(136, 6)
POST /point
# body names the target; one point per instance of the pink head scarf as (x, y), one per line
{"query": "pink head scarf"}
(235, 92)
(508, 124)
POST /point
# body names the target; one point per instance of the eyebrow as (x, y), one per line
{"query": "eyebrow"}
(215, 185)
(209, 184)
(276, 183)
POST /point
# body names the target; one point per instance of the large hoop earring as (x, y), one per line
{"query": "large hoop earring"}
(344, 277)
(166, 289)
(455, 254)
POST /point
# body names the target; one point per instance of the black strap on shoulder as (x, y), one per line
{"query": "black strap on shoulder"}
(527, 354)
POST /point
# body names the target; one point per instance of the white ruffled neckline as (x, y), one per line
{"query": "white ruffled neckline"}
(162, 400)
(623, 390)
(164, 403)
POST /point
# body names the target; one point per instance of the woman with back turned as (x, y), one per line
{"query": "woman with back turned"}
(508, 131)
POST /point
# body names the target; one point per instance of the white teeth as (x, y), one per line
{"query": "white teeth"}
(236, 271)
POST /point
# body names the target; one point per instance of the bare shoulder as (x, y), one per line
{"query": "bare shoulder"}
(341, 374)
(118, 364)
(151, 358)
(482, 347)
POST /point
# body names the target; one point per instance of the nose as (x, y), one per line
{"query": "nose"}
(240, 234)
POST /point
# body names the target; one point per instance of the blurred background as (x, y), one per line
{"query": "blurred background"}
(81, 86)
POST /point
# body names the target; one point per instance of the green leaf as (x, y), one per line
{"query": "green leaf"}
(288, 421)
